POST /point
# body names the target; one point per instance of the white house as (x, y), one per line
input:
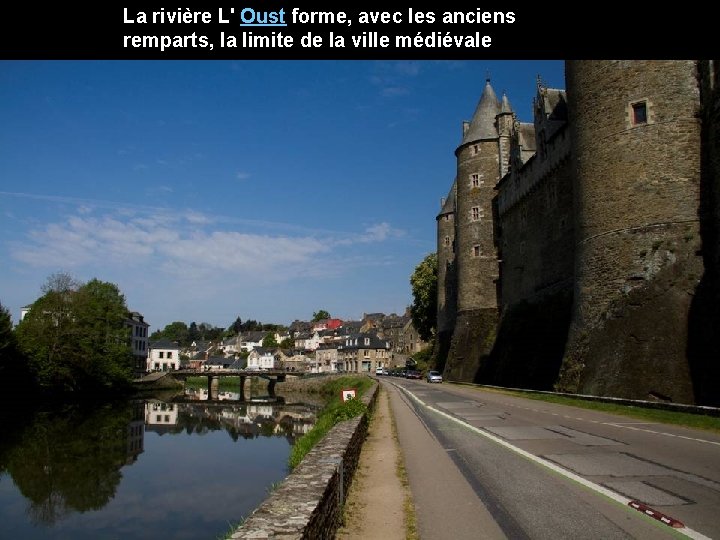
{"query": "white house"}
(24, 311)
(252, 340)
(263, 359)
(308, 341)
(231, 346)
(163, 355)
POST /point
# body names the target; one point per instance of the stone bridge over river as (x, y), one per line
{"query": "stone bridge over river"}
(213, 377)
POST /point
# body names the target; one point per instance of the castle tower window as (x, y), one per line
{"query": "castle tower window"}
(476, 149)
(476, 180)
(447, 241)
(477, 251)
(639, 111)
(476, 214)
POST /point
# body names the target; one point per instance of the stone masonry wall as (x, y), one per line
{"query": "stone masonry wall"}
(536, 241)
(309, 503)
(477, 266)
(637, 228)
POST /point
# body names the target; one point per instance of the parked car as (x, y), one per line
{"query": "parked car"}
(434, 376)
(379, 371)
(412, 374)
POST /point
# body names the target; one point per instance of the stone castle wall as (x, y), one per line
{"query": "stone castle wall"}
(608, 240)
(535, 215)
(637, 225)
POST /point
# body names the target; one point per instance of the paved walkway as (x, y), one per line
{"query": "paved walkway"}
(443, 504)
(375, 507)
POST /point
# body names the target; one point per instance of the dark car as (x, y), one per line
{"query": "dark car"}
(412, 374)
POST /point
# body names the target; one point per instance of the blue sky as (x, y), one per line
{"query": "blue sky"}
(208, 190)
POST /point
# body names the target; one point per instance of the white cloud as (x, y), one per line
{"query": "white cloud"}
(190, 244)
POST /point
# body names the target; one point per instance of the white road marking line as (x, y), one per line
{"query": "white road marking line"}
(626, 426)
(690, 533)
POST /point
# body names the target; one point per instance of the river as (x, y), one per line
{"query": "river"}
(185, 468)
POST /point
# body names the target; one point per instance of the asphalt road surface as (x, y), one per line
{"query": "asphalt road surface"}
(486, 465)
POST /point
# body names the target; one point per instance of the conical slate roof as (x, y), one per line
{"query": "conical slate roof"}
(506, 107)
(449, 204)
(482, 125)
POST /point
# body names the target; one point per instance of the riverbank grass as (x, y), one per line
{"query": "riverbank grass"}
(335, 412)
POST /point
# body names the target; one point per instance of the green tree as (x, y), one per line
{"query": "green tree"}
(287, 343)
(75, 336)
(46, 335)
(251, 326)
(193, 333)
(175, 331)
(14, 372)
(236, 327)
(7, 338)
(320, 315)
(424, 289)
(103, 338)
(269, 342)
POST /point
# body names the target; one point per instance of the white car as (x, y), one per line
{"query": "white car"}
(434, 376)
(379, 371)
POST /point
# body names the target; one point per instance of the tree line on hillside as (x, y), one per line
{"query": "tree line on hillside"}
(185, 335)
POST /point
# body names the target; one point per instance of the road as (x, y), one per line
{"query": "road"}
(487, 465)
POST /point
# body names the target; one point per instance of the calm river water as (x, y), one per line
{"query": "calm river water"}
(180, 469)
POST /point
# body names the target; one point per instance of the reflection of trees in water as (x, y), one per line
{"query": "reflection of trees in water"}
(70, 462)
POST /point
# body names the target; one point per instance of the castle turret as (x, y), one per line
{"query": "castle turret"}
(478, 171)
(447, 281)
(505, 126)
(477, 174)
(635, 135)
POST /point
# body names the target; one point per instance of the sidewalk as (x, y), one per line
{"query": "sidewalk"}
(434, 503)
(375, 506)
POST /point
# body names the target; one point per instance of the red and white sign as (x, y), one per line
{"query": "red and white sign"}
(347, 394)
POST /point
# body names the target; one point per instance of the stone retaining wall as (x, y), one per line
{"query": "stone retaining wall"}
(309, 503)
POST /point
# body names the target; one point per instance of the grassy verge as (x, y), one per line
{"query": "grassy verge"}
(335, 412)
(697, 421)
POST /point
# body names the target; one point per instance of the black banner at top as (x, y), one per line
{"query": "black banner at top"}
(281, 31)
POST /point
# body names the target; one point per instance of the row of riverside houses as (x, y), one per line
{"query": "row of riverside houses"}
(327, 346)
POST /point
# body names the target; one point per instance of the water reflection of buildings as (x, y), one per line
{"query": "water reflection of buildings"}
(259, 417)
(201, 394)
(136, 432)
(287, 420)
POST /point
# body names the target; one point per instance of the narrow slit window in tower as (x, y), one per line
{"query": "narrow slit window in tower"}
(639, 113)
